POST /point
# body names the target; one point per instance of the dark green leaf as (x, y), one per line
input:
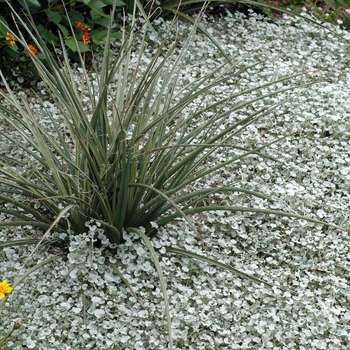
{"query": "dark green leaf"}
(116, 36)
(102, 21)
(75, 16)
(3, 20)
(34, 3)
(47, 35)
(29, 3)
(64, 30)
(111, 2)
(54, 16)
(99, 36)
(72, 44)
(97, 5)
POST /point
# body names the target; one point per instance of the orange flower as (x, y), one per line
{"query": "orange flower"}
(10, 38)
(33, 49)
(85, 38)
(49, 19)
(82, 26)
(85, 29)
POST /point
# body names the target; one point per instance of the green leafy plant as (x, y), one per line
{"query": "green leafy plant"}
(81, 25)
(167, 7)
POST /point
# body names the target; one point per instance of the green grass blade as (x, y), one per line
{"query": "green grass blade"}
(161, 280)
(250, 210)
(27, 241)
(206, 33)
(218, 264)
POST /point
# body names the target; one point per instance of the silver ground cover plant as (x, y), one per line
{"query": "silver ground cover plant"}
(144, 154)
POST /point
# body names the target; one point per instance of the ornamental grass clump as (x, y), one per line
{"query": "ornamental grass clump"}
(132, 145)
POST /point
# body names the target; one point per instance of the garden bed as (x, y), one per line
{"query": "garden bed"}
(84, 303)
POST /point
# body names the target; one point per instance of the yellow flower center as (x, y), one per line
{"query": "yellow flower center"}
(5, 288)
